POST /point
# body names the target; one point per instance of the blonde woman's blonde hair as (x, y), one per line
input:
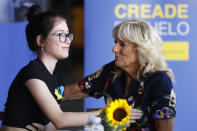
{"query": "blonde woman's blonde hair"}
(148, 44)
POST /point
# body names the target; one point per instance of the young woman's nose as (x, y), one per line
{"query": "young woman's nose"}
(68, 41)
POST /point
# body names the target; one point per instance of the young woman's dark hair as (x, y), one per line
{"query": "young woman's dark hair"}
(39, 24)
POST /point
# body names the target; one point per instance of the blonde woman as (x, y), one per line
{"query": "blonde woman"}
(138, 74)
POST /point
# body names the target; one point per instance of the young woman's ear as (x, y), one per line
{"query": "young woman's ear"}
(40, 41)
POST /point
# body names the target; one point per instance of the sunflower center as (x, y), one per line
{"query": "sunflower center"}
(119, 114)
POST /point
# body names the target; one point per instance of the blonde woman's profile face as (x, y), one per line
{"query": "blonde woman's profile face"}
(126, 55)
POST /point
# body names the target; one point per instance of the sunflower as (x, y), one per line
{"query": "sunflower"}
(118, 112)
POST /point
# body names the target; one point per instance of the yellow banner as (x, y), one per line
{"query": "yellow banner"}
(176, 50)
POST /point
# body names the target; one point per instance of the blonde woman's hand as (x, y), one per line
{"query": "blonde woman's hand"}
(135, 115)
